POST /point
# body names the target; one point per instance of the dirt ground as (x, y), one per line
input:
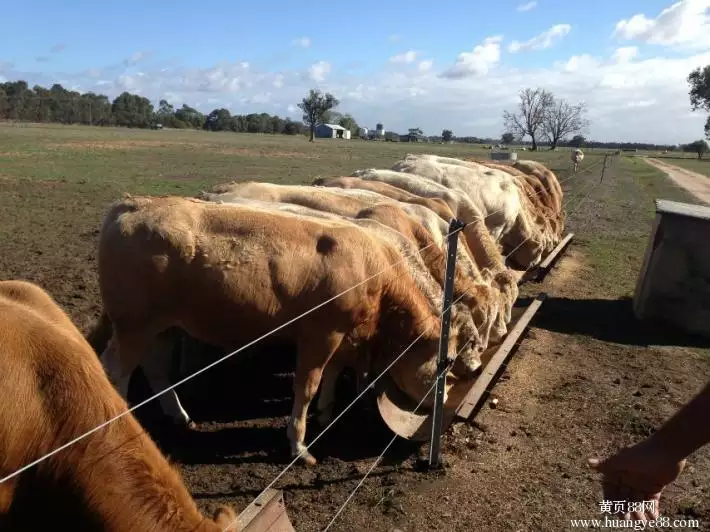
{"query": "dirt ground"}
(585, 380)
(697, 184)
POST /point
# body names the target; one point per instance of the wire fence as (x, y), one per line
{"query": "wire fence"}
(602, 164)
(577, 200)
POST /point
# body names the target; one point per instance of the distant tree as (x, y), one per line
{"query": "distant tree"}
(577, 141)
(530, 116)
(699, 80)
(219, 120)
(349, 123)
(132, 110)
(332, 117)
(190, 117)
(165, 114)
(562, 119)
(447, 135)
(507, 138)
(700, 147)
(415, 131)
(315, 106)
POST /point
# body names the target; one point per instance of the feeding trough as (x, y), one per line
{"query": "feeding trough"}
(397, 410)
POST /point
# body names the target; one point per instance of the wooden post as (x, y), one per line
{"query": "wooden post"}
(452, 240)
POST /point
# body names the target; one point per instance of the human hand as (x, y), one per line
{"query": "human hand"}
(636, 474)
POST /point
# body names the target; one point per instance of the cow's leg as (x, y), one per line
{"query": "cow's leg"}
(7, 493)
(313, 354)
(156, 368)
(326, 399)
(113, 365)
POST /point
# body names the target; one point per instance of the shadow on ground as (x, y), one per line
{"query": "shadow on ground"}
(610, 320)
(242, 406)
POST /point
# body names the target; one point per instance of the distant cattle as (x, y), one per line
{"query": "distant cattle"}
(577, 157)
(52, 390)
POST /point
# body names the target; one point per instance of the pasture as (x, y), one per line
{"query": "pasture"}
(584, 381)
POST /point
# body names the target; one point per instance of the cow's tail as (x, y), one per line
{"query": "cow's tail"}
(100, 333)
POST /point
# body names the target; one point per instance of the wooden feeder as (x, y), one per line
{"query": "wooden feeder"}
(674, 283)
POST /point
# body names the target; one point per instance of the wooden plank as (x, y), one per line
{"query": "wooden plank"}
(267, 514)
(537, 273)
(545, 264)
(479, 387)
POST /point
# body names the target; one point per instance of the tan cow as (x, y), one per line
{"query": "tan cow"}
(545, 207)
(483, 247)
(229, 274)
(546, 177)
(349, 203)
(496, 195)
(53, 391)
(405, 219)
(479, 308)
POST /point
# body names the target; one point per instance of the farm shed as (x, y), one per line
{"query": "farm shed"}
(674, 282)
(332, 131)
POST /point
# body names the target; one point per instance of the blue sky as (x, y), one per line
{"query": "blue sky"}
(412, 63)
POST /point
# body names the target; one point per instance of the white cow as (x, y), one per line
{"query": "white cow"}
(577, 157)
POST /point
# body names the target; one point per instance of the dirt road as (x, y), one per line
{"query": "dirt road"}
(695, 183)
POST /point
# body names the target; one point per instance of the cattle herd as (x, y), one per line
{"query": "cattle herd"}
(361, 259)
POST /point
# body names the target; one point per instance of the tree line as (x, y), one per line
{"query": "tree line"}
(37, 104)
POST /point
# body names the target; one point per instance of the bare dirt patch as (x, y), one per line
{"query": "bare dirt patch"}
(695, 183)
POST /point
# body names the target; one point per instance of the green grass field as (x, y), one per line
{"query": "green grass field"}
(574, 385)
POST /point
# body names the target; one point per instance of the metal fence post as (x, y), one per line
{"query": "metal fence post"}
(606, 156)
(452, 241)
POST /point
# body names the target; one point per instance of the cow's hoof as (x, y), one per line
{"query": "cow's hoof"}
(306, 458)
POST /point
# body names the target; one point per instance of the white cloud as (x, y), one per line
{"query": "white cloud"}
(136, 57)
(625, 54)
(578, 63)
(685, 23)
(303, 42)
(407, 57)
(318, 71)
(628, 96)
(477, 62)
(527, 6)
(544, 40)
(425, 66)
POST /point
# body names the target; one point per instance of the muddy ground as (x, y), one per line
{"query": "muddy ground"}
(585, 380)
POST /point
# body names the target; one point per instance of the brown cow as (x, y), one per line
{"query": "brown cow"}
(54, 390)
(228, 274)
